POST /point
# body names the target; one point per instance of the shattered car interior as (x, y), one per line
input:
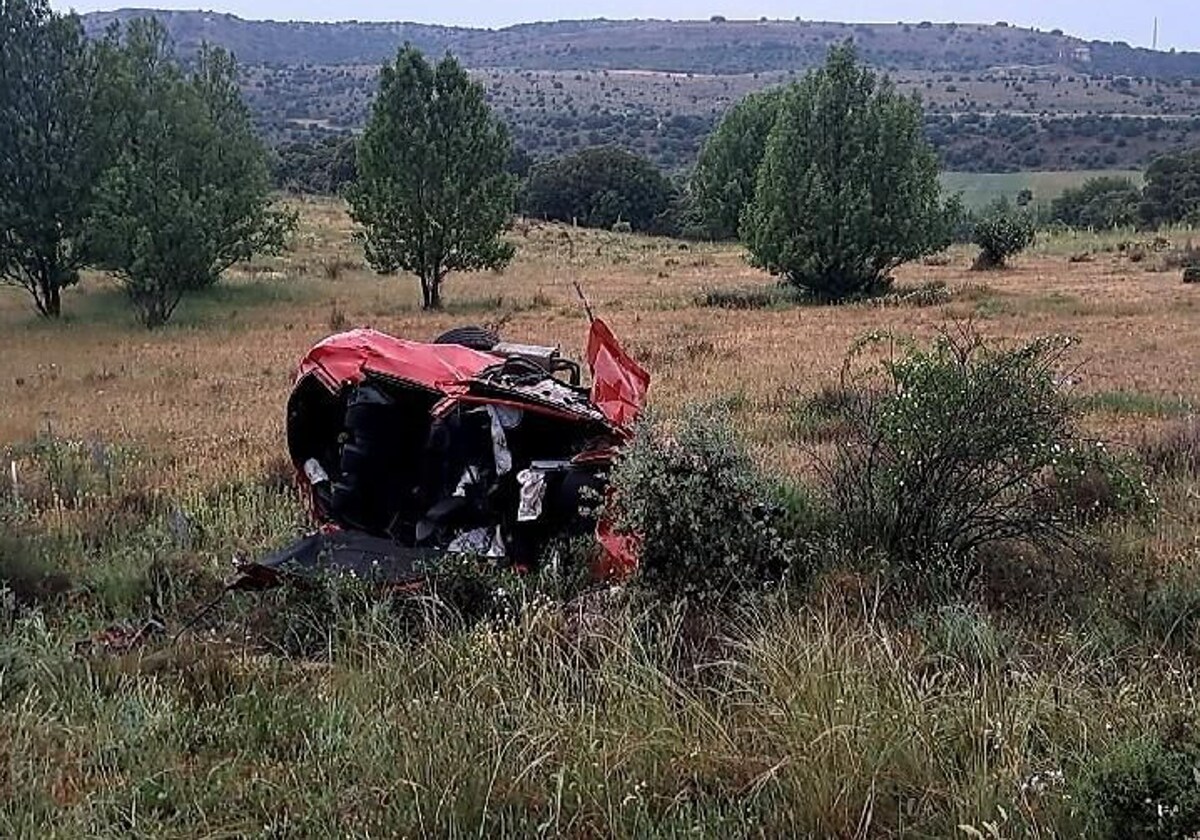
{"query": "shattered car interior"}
(408, 452)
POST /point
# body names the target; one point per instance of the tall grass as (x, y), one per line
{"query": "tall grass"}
(842, 711)
(817, 721)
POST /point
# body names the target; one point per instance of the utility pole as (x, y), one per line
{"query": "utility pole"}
(1154, 43)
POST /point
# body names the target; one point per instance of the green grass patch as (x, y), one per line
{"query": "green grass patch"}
(230, 303)
(1135, 403)
(980, 189)
(753, 297)
(780, 296)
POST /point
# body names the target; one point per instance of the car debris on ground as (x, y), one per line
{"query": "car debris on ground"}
(410, 452)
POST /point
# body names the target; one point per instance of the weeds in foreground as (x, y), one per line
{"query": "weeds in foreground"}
(798, 720)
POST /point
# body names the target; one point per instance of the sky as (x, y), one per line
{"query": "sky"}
(1110, 20)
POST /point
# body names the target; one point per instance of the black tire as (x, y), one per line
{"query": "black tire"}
(477, 338)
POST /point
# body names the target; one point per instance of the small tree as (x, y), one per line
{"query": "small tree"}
(951, 448)
(598, 188)
(322, 166)
(848, 189)
(1172, 191)
(703, 512)
(49, 154)
(1000, 235)
(1099, 203)
(432, 192)
(723, 182)
(187, 194)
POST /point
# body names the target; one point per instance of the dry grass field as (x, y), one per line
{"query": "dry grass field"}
(146, 460)
(207, 392)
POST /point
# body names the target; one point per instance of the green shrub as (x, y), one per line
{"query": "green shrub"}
(1171, 195)
(1000, 236)
(1091, 483)
(759, 297)
(1147, 787)
(956, 447)
(1101, 203)
(708, 520)
(600, 188)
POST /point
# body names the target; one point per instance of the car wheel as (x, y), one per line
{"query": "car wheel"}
(477, 338)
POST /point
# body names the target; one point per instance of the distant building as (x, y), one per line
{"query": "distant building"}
(1083, 55)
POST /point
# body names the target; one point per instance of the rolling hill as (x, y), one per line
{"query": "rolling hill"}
(716, 46)
(998, 97)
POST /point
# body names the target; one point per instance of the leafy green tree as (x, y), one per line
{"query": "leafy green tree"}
(322, 166)
(848, 189)
(1104, 202)
(1172, 191)
(599, 187)
(49, 154)
(1001, 234)
(432, 192)
(188, 191)
(725, 175)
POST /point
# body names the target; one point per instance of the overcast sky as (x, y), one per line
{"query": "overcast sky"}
(1112, 20)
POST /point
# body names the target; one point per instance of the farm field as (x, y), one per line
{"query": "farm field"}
(228, 358)
(979, 189)
(137, 464)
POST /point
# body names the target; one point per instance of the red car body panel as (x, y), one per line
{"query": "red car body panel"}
(619, 384)
(347, 356)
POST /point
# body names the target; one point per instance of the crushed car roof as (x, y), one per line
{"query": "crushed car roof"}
(618, 391)
(345, 357)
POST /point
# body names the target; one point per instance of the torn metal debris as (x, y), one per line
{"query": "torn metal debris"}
(410, 451)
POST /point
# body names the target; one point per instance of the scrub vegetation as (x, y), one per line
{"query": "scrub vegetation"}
(917, 562)
(1050, 689)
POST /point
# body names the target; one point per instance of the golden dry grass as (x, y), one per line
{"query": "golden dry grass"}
(810, 713)
(207, 393)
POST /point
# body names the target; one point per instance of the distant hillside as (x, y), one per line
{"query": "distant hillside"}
(676, 46)
(998, 98)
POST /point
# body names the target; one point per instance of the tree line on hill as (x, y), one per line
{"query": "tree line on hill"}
(708, 47)
(603, 186)
(127, 161)
(551, 117)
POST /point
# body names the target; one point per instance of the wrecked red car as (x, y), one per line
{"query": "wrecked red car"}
(410, 451)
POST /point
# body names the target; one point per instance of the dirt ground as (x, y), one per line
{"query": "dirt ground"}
(206, 394)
